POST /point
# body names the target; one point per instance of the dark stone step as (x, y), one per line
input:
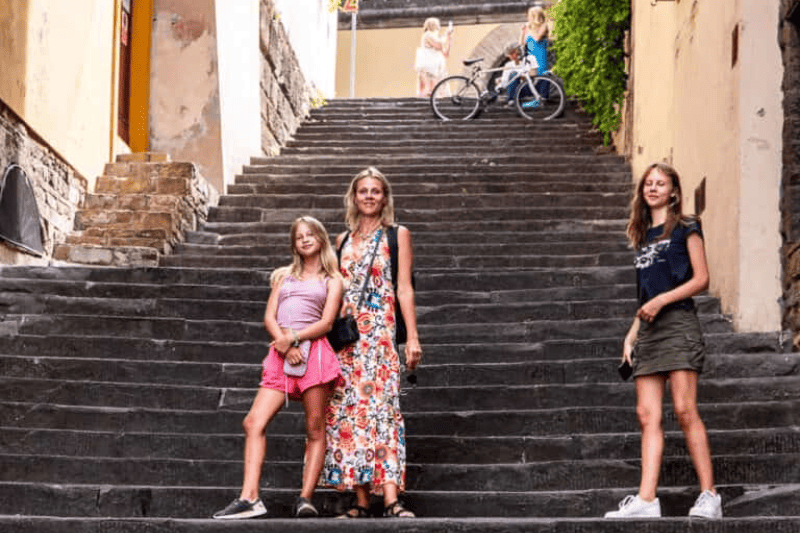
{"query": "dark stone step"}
(431, 239)
(200, 502)
(246, 375)
(273, 185)
(574, 164)
(415, 399)
(433, 178)
(151, 275)
(548, 475)
(429, 250)
(437, 201)
(442, 262)
(507, 422)
(421, 449)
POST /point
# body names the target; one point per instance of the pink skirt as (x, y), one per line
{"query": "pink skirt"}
(323, 367)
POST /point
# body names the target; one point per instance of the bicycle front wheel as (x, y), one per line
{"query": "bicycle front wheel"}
(455, 98)
(540, 98)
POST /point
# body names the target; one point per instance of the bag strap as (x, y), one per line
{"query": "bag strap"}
(369, 269)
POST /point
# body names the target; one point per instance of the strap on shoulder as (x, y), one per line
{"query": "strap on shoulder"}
(339, 248)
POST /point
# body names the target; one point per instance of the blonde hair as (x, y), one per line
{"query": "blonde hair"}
(432, 24)
(352, 216)
(326, 254)
(537, 17)
(641, 218)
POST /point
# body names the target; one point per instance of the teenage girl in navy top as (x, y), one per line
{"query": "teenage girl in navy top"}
(665, 342)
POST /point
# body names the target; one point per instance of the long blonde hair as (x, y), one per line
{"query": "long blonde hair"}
(352, 216)
(326, 254)
(641, 219)
(536, 18)
(431, 24)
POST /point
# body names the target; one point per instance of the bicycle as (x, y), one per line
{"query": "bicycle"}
(457, 97)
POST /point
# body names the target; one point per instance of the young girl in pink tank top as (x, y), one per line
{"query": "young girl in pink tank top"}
(301, 365)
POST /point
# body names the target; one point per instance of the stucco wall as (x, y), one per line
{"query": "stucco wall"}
(385, 59)
(58, 84)
(184, 86)
(697, 110)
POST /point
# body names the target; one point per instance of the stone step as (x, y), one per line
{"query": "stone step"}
(246, 185)
(433, 159)
(560, 421)
(248, 353)
(102, 255)
(158, 371)
(545, 475)
(19, 523)
(430, 180)
(438, 201)
(423, 262)
(576, 163)
(126, 218)
(415, 399)
(422, 449)
(443, 217)
(422, 239)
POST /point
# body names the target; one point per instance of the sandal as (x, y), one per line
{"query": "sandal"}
(356, 511)
(396, 510)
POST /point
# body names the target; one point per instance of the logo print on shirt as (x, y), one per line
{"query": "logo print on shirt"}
(650, 254)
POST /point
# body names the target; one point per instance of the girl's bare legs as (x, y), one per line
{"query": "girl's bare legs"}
(649, 397)
(265, 406)
(315, 401)
(684, 400)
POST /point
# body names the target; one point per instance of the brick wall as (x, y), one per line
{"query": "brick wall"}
(790, 198)
(58, 187)
(284, 95)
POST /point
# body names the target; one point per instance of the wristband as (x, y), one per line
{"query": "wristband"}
(296, 342)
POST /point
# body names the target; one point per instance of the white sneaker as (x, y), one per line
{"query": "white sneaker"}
(707, 505)
(635, 507)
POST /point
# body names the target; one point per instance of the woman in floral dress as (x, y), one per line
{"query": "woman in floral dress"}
(365, 429)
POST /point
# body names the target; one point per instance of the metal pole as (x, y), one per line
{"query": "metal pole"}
(353, 54)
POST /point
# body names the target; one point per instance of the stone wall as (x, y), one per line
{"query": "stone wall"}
(58, 187)
(790, 204)
(285, 98)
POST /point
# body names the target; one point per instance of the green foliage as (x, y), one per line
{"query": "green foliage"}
(589, 51)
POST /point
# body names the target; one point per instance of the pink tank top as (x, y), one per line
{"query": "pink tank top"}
(300, 303)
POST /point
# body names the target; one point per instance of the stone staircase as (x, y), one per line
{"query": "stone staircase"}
(143, 205)
(123, 389)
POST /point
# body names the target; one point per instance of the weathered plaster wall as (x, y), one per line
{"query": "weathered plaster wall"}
(184, 86)
(385, 58)
(58, 84)
(697, 109)
(239, 75)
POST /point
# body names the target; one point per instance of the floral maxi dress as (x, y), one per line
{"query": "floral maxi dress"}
(365, 430)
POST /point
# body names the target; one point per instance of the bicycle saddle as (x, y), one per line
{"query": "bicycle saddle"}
(468, 62)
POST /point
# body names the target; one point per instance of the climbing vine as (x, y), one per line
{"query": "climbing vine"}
(589, 51)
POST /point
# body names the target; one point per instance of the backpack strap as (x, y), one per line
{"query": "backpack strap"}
(391, 234)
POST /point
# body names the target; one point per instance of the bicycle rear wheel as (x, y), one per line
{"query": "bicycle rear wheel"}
(541, 99)
(455, 98)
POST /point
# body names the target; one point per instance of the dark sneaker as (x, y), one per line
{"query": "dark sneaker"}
(238, 509)
(303, 508)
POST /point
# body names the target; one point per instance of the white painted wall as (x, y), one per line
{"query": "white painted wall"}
(239, 66)
(760, 149)
(312, 30)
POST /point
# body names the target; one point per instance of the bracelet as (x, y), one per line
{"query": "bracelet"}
(296, 342)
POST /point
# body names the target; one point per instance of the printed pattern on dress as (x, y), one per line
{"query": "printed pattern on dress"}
(365, 429)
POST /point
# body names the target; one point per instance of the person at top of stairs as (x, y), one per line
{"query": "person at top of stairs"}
(366, 431)
(665, 341)
(302, 305)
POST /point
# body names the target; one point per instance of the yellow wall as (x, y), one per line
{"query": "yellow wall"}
(690, 105)
(58, 76)
(385, 59)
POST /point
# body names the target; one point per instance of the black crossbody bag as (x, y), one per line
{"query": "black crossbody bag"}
(344, 331)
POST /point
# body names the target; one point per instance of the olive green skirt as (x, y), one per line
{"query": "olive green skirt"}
(673, 341)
